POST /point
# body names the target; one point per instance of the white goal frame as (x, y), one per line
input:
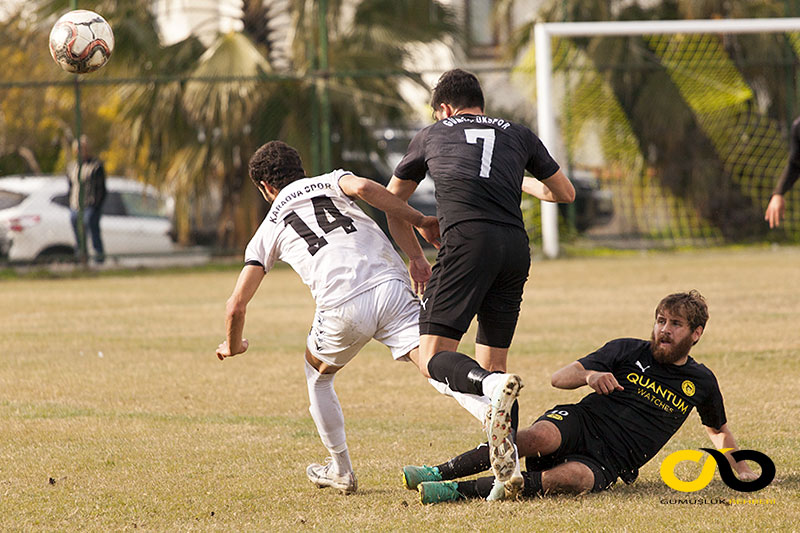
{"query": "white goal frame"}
(545, 31)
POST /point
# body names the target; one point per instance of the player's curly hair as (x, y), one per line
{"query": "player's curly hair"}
(458, 88)
(690, 305)
(277, 163)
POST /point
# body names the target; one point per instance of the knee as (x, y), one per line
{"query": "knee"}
(582, 479)
(320, 366)
(538, 439)
(571, 478)
(317, 380)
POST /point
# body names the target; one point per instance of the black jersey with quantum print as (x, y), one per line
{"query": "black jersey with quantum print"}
(477, 164)
(637, 422)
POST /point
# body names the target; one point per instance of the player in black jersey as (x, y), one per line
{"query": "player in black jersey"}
(477, 164)
(643, 392)
(777, 204)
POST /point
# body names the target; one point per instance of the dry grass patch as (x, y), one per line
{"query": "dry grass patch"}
(158, 435)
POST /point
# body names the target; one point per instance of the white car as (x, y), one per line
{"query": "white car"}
(35, 222)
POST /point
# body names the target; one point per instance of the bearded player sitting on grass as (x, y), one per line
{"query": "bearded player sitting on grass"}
(643, 392)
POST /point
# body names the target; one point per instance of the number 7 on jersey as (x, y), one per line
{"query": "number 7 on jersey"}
(487, 136)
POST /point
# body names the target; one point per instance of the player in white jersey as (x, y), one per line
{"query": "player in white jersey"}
(359, 282)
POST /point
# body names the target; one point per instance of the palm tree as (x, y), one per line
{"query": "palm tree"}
(24, 122)
(196, 126)
(238, 116)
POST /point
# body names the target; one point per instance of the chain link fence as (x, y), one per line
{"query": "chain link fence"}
(683, 166)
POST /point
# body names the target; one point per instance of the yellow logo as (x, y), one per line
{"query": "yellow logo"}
(717, 458)
(672, 460)
(555, 416)
(688, 388)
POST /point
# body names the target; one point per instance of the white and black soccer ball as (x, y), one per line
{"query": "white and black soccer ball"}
(81, 41)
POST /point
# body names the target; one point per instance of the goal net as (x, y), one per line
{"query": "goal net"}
(684, 124)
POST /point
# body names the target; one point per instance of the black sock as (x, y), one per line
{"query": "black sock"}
(458, 371)
(514, 420)
(481, 487)
(476, 488)
(466, 464)
(533, 484)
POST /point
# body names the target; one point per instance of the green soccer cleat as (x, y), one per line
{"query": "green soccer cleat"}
(438, 491)
(414, 475)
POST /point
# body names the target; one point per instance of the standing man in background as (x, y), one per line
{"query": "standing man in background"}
(777, 204)
(92, 182)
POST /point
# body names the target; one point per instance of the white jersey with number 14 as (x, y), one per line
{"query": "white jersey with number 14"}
(337, 249)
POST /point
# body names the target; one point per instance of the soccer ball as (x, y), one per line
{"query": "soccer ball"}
(81, 41)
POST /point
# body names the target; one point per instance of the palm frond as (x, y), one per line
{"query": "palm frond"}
(226, 104)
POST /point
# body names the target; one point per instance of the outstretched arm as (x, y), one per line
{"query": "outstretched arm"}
(556, 188)
(723, 438)
(429, 229)
(775, 210)
(378, 196)
(401, 231)
(790, 174)
(246, 286)
(398, 215)
(574, 375)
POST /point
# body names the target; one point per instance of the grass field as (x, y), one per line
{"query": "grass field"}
(115, 415)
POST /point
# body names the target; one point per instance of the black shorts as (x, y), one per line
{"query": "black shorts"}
(580, 442)
(481, 270)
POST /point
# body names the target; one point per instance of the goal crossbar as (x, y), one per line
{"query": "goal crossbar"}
(652, 27)
(543, 33)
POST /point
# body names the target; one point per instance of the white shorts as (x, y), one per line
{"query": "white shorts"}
(388, 313)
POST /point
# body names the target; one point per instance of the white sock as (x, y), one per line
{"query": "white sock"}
(491, 382)
(341, 461)
(517, 469)
(474, 404)
(328, 417)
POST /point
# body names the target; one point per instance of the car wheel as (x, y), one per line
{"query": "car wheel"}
(56, 254)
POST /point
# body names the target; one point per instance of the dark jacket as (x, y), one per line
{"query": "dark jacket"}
(93, 177)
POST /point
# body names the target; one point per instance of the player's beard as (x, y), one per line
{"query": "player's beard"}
(670, 353)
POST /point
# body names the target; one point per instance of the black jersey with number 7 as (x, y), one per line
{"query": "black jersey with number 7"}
(477, 164)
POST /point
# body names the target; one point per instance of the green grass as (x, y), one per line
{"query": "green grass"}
(159, 435)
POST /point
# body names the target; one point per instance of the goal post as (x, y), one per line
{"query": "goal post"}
(545, 100)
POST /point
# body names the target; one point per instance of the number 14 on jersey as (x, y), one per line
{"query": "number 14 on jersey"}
(323, 208)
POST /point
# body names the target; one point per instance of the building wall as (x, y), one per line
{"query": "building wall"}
(481, 48)
(204, 18)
